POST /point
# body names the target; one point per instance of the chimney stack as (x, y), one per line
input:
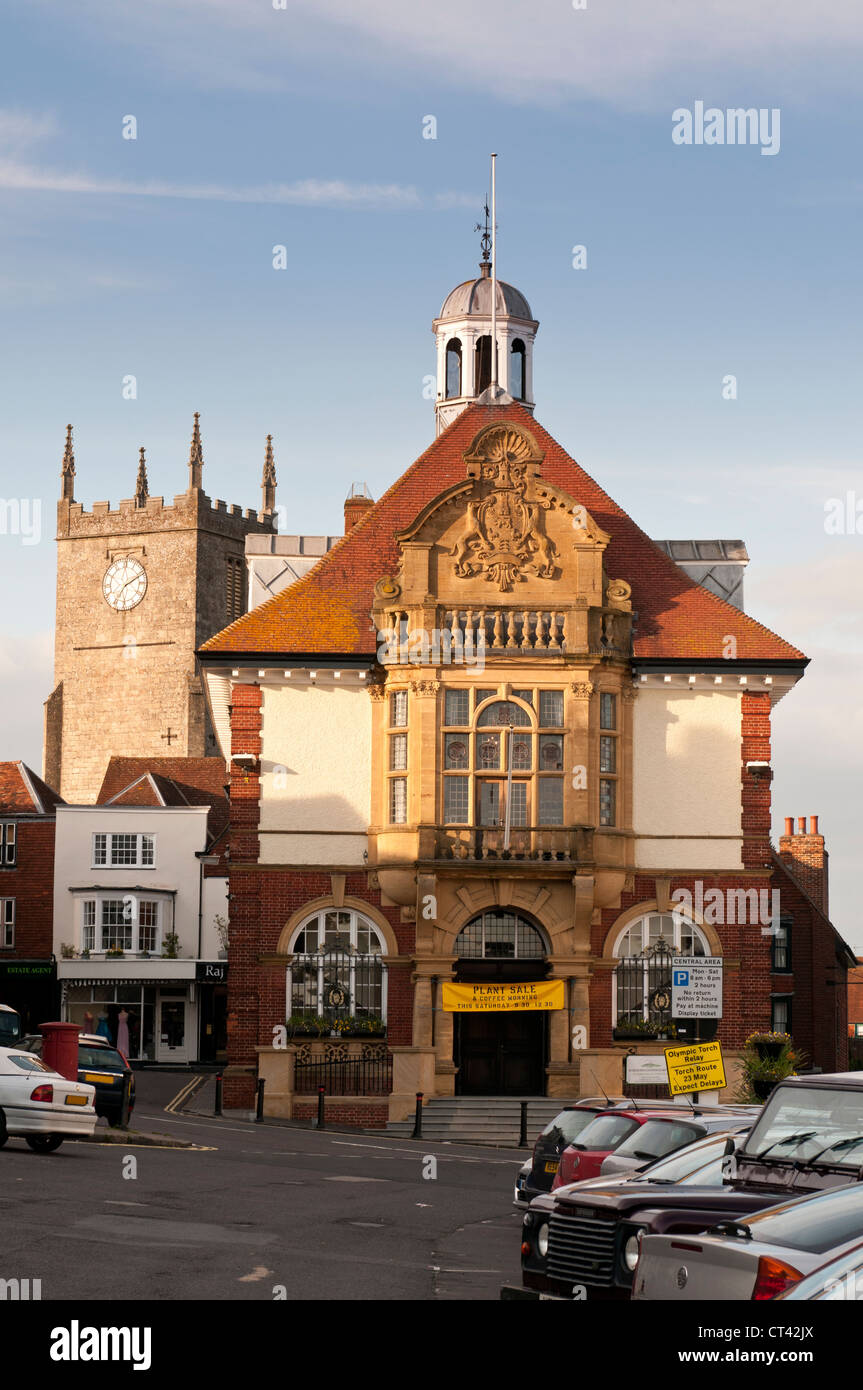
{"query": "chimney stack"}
(806, 857)
(357, 503)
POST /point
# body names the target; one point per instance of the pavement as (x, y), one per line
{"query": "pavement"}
(257, 1212)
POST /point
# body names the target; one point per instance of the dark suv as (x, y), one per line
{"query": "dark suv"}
(583, 1244)
(103, 1067)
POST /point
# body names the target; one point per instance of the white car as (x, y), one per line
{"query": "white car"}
(40, 1104)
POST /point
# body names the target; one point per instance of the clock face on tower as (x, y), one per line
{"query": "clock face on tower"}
(125, 584)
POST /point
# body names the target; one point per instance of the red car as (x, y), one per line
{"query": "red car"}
(583, 1158)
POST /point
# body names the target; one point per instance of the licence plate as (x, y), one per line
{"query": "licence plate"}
(76, 1100)
(98, 1076)
(551, 1167)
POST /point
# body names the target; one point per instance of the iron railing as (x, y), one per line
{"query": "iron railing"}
(353, 1076)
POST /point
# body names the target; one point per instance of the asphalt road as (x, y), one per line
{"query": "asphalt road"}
(260, 1209)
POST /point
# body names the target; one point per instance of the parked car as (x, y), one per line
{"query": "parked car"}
(39, 1104)
(584, 1158)
(664, 1134)
(10, 1026)
(591, 1227)
(805, 1139)
(102, 1066)
(758, 1257)
(839, 1280)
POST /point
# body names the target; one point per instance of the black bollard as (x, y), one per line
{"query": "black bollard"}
(218, 1109)
(259, 1107)
(418, 1117)
(522, 1138)
(321, 1094)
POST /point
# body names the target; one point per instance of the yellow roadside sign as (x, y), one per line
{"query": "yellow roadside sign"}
(698, 1067)
(488, 999)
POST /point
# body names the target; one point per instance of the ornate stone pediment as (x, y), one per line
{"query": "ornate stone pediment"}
(504, 534)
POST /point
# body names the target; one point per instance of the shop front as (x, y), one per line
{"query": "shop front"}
(30, 987)
(151, 1015)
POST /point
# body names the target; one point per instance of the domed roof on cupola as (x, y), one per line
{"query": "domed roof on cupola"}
(473, 297)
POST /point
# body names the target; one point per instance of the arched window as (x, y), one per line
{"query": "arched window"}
(337, 971)
(503, 765)
(516, 370)
(500, 936)
(453, 368)
(482, 365)
(642, 980)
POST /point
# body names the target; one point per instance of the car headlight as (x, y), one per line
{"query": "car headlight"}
(632, 1250)
(542, 1240)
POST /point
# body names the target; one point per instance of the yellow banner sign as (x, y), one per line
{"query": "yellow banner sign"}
(495, 999)
(698, 1067)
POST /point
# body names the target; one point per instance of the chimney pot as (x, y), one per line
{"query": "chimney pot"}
(813, 825)
(801, 825)
(789, 825)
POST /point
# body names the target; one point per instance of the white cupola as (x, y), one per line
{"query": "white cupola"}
(463, 339)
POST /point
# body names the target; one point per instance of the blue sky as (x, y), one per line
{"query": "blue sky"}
(303, 127)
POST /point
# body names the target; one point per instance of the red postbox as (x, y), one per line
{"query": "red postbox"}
(60, 1048)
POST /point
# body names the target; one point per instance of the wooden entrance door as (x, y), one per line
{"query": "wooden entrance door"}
(500, 1054)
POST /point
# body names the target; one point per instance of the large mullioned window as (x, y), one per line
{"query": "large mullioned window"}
(503, 755)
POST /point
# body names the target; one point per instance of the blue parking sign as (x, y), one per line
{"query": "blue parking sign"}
(681, 979)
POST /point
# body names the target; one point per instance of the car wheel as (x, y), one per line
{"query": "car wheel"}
(44, 1143)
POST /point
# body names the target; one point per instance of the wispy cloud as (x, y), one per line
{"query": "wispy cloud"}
(624, 53)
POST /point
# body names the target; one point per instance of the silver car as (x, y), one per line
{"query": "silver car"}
(758, 1257)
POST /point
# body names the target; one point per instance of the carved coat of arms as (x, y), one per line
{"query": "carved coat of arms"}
(505, 527)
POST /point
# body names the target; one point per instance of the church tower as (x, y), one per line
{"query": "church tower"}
(139, 588)
(463, 339)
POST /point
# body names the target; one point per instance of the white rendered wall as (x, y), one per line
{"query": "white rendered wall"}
(686, 780)
(315, 774)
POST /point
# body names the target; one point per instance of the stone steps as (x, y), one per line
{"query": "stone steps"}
(491, 1120)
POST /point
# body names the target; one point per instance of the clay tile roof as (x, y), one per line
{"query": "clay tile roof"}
(328, 611)
(22, 791)
(168, 782)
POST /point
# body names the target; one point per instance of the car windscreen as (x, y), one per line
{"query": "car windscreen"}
(10, 1029)
(816, 1223)
(100, 1058)
(568, 1125)
(806, 1124)
(658, 1137)
(679, 1165)
(29, 1064)
(605, 1132)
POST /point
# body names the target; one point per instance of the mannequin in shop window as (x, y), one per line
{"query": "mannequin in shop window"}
(89, 1023)
(103, 1027)
(123, 1032)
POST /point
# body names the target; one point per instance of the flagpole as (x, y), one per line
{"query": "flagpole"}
(507, 819)
(493, 281)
